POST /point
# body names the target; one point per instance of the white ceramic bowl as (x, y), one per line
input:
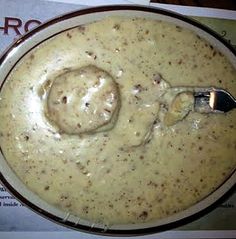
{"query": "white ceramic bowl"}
(45, 31)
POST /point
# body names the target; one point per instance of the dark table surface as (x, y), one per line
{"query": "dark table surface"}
(223, 4)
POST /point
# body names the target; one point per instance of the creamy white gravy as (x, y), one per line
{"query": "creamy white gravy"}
(126, 164)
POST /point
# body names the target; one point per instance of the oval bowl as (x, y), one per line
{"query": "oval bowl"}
(62, 23)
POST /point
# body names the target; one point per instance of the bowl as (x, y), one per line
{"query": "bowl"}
(67, 21)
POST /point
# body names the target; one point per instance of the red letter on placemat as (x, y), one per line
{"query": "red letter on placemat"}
(14, 23)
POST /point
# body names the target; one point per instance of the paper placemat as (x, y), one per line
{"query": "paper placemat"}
(17, 221)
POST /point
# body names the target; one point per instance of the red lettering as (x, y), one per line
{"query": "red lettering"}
(29, 24)
(14, 23)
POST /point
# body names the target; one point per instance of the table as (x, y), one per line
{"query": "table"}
(223, 4)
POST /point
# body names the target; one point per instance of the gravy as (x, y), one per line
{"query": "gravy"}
(117, 156)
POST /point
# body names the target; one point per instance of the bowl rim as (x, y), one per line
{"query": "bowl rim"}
(95, 230)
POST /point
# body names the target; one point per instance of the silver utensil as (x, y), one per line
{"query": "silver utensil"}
(213, 100)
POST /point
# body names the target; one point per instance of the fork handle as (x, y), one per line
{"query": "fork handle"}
(224, 101)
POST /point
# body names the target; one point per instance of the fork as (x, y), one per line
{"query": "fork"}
(213, 100)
